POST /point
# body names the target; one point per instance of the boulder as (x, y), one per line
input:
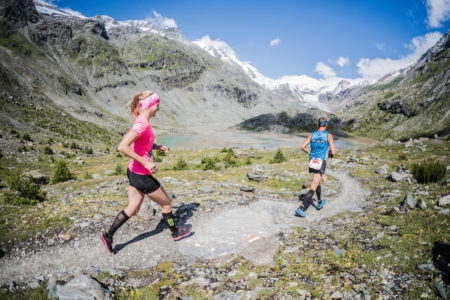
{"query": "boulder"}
(409, 202)
(82, 287)
(248, 189)
(422, 204)
(396, 177)
(445, 200)
(383, 169)
(257, 177)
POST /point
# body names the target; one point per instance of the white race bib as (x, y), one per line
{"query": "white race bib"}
(315, 163)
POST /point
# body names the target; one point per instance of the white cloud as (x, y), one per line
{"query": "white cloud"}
(380, 46)
(342, 61)
(324, 70)
(161, 21)
(438, 12)
(375, 68)
(274, 42)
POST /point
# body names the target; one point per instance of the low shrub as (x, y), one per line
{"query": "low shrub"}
(209, 163)
(87, 176)
(48, 150)
(402, 157)
(180, 165)
(88, 150)
(26, 137)
(61, 173)
(428, 171)
(278, 157)
(23, 190)
(117, 171)
(157, 159)
(230, 159)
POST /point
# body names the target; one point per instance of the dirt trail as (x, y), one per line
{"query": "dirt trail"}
(221, 233)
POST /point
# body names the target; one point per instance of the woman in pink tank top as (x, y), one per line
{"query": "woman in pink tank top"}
(137, 144)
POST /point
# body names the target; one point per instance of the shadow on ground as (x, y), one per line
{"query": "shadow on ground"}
(181, 215)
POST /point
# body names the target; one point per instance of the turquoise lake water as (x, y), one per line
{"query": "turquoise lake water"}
(245, 140)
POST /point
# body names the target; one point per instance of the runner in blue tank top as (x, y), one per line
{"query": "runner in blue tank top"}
(320, 141)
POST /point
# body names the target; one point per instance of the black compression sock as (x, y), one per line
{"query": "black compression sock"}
(118, 221)
(168, 218)
(319, 193)
(308, 199)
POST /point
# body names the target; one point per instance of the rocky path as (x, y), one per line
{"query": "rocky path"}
(250, 230)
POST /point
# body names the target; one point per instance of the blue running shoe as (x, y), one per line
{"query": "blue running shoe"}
(299, 212)
(321, 204)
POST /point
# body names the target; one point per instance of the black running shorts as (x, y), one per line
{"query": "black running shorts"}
(144, 183)
(322, 168)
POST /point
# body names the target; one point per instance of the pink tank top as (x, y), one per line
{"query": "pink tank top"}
(142, 145)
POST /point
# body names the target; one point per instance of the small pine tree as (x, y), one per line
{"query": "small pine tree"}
(229, 159)
(181, 165)
(278, 157)
(62, 172)
(73, 145)
(209, 163)
(23, 190)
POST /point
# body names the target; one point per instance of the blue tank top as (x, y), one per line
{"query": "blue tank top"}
(319, 145)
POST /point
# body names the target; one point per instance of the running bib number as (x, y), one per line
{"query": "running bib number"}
(315, 164)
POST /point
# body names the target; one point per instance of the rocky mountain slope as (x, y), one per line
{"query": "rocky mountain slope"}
(91, 67)
(413, 103)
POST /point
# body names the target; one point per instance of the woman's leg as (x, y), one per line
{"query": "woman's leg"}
(135, 198)
(160, 196)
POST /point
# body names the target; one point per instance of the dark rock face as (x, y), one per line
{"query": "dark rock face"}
(19, 12)
(397, 107)
(296, 122)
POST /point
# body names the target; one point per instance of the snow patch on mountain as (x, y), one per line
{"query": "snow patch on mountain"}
(296, 87)
(53, 10)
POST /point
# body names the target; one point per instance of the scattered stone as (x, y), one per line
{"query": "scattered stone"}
(444, 212)
(446, 182)
(380, 235)
(393, 227)
(301, 292)
(425, 267)
(226, 296)
(257, 177)
(383, 170)
(82, 287)
(422, 204)
(337, 295)
(409, 202)
(339, 252)
(206, 190)
(50, 242)
(445, 200)
(65, 236)
(248, 189)
(396, 177)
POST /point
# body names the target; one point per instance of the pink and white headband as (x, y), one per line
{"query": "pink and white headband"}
(148, 102)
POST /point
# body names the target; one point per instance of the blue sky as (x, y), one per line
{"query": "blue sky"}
(317, 38)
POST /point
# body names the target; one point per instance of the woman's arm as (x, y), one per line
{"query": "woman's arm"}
(161, 147)
(125, 148)
(331, 142)
(305, 143)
